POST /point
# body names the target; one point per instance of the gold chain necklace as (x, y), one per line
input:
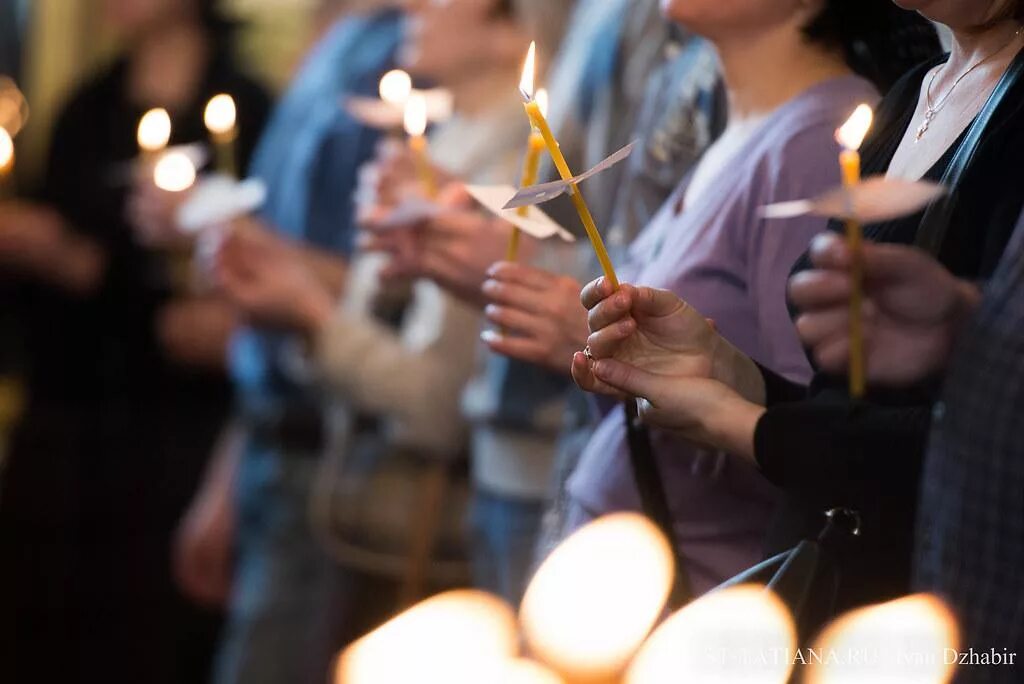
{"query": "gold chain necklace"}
(931, 110)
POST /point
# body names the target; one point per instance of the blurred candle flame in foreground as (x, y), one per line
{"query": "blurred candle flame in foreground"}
(524, 671)
(6, 150)
(741, 634)
(416, 115)
(174, 172)
(852, 133)
(906, 641)
(154, 130)
(220, 115)
(395, 87)
(597, 596)
(459, 637)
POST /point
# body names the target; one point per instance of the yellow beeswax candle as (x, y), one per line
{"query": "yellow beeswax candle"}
(220, 118)
(531, 168)
(415, 127)
(538, 120)
(850, 136)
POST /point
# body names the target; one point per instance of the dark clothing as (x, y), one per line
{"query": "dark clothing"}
(116, 434)
(971, 523)
(826, 451)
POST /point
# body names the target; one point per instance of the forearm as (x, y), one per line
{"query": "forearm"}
(331, 270)
(419, 385)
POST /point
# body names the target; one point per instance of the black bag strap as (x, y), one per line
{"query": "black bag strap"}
(939, 215)
(653, 499)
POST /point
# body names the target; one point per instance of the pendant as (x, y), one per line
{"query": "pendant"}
(928, 116)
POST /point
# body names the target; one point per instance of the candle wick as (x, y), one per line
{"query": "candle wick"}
(527, 98)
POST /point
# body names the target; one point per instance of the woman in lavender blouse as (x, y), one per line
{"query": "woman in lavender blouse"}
(789, 85)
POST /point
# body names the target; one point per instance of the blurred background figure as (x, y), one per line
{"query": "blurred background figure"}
(125, 373)
(247, 538)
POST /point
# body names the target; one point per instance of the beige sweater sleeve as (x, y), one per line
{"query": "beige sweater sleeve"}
(415, 376)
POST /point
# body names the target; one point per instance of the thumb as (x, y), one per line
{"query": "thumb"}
(627, 379)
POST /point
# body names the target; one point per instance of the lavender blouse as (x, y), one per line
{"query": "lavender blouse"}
(731, 265)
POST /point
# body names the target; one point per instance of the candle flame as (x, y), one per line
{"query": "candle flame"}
(907, 638)
(596, 597)
(174, 172)
(6, 149)
(852, 133)
(526, 85)
(220, 114)
(523, 671)
(416, 115)
(395, 87)
(459, 637)
(154, 130)
(741, 634)
(542, 101)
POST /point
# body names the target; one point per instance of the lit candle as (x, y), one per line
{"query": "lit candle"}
(851, 136)
(415, 127)
(220, 118)
(459, 637)
(174, 172)
(395, 87)
(908, 640)
(531, 167)
(594, 600)
(539, 122)
(153, 134)
(6, 161)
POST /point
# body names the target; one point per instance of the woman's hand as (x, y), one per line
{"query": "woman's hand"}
(195, 331)
(913, 309)
(538, 314)
(269, 280)
(657, 332)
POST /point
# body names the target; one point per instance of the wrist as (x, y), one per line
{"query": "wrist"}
(731, 426)
(739, 372)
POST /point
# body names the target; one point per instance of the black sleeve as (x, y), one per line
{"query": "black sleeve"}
(828, 451)
(779, 390)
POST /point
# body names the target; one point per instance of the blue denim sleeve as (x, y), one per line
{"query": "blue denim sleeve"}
(331, 218)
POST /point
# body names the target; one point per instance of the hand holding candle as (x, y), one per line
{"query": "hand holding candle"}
(539, 122)
(851, 135)
(220, 118)
(415, 127)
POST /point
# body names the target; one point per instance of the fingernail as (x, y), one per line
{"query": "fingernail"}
(490, 336)
(491, 310)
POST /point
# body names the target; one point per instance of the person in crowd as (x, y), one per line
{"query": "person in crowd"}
(823, 449)
(246, 539)
(410, 379)
(515, 406)
(709, 243)
(924, 322)
(125, 375)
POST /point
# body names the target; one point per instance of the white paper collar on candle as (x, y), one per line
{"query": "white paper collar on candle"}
(219, 199)
(385, 115)
(545, 192)
(536, 223)
(875, 199)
